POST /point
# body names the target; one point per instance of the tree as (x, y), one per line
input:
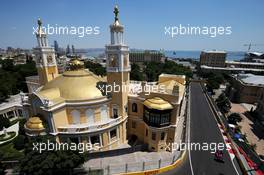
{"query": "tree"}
(223, 103)
(49, 162)
(96, 68)
(135, 73)
(213, 80)
(8, 64)
(4, 122)
(2, 169)
(21, 126)
(154, 69)
(234, 118)
(19, 142)
(12, 77)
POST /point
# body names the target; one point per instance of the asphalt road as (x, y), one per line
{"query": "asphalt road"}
(203, 129)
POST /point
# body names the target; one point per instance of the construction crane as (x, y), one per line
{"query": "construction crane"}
(249, 45)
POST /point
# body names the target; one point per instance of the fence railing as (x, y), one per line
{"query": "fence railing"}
(117, 168)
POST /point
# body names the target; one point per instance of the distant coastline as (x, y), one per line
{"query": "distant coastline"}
(231, 55)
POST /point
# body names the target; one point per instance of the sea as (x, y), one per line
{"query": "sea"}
(231, 55)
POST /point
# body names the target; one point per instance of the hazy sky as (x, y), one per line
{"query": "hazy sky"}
(144, 22)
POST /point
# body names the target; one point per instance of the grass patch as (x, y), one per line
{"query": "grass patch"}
(8, 152)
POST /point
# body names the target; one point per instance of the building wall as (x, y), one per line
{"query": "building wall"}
(119, 97)
(245, 65)
(60, 118)
(47, 73)
(260, 105)
(214, 59)
(146, 56)
(137, 127)
(244, 93)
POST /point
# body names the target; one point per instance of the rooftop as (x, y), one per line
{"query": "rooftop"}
(256, 53)
(14, 100)
(231, 68)
(251, 79)
(214, 51)
(244, 63)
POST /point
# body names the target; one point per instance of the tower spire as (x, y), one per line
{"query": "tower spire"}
(40, 32)
(116, 12)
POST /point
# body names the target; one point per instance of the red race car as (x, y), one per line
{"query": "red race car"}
(219, 156)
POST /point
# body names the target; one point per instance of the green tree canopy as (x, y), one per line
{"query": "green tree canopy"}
(135, 73)
(49, 162)
(12, 77)
(96, 68)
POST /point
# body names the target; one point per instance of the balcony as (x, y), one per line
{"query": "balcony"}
(88, 128)
(112, 69)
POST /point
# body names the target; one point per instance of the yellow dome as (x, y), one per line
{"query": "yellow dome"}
(72, 85)
(76, 64)
(34, 123)
(157, 103)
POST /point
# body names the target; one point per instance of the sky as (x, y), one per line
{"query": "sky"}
(144, 20)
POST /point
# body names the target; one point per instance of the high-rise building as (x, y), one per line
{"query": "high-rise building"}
(73, 50)
(56, 47)
(68, 50)
(213, 58)
(146, 56)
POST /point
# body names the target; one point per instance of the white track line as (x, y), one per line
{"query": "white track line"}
(189, 128)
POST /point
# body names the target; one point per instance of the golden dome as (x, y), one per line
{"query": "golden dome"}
(157, 103)
(76, 64)
(34, 123)
(72, 85)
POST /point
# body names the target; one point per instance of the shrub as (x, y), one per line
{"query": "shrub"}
(19, 142)
(234, 118)
(4, 122)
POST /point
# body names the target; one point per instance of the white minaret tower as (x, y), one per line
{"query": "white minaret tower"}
(45, 57)
(117, 52)
(118, 70)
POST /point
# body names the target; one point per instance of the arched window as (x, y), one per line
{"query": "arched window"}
(104, 113)
(75, 117)
(89, 115)
(134, 107)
